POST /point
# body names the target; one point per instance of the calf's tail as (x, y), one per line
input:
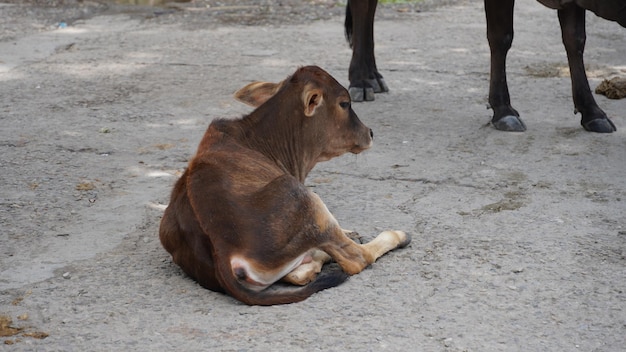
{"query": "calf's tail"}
(280, 293)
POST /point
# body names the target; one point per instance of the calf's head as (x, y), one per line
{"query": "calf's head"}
(316, 109)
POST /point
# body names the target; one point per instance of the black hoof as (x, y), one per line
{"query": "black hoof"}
(406, 241)
(509, 123)
(378, 84)
(358, 94)
(383, 85)
(599, 125)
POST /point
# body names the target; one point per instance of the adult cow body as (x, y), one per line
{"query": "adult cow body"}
(365, 80)
(240, 217)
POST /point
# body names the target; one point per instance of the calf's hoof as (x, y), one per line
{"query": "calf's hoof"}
(603, 125)
(402, 237)
(509, 123)
(405, 239)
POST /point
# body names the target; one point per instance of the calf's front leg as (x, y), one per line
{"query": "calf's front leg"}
(307, 272)
(353, 257)
(333, 242)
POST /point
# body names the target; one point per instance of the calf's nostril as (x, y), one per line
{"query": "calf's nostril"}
(371, 133)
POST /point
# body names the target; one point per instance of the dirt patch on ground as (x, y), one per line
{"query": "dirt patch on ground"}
(614, 88)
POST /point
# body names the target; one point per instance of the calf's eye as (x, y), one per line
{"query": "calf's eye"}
(344, 104)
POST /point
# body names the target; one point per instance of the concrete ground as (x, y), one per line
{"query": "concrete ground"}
(519, 240)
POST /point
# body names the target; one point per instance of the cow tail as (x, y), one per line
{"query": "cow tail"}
(280, 293)
(348, 24)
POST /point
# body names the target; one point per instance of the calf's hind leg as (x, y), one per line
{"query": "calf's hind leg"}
(307, 272)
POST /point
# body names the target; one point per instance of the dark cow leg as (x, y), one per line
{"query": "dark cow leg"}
(500, 36)
(572, 20)
(363, 74)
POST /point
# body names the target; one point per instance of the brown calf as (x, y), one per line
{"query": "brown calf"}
(240, 217)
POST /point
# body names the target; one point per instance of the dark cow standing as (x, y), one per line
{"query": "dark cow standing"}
(365, 80)
(240, 217)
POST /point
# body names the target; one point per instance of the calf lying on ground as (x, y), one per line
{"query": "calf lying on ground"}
(240, 217)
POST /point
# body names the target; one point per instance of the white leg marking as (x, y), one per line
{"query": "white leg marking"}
(257, 280)
(307, 272)
(384, 242)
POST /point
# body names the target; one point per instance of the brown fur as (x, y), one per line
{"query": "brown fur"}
(240, 217)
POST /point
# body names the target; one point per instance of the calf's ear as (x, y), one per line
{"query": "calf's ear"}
(257, 93)
(312, 98)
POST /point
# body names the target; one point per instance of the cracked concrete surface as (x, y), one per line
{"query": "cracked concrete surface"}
(519, 240)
